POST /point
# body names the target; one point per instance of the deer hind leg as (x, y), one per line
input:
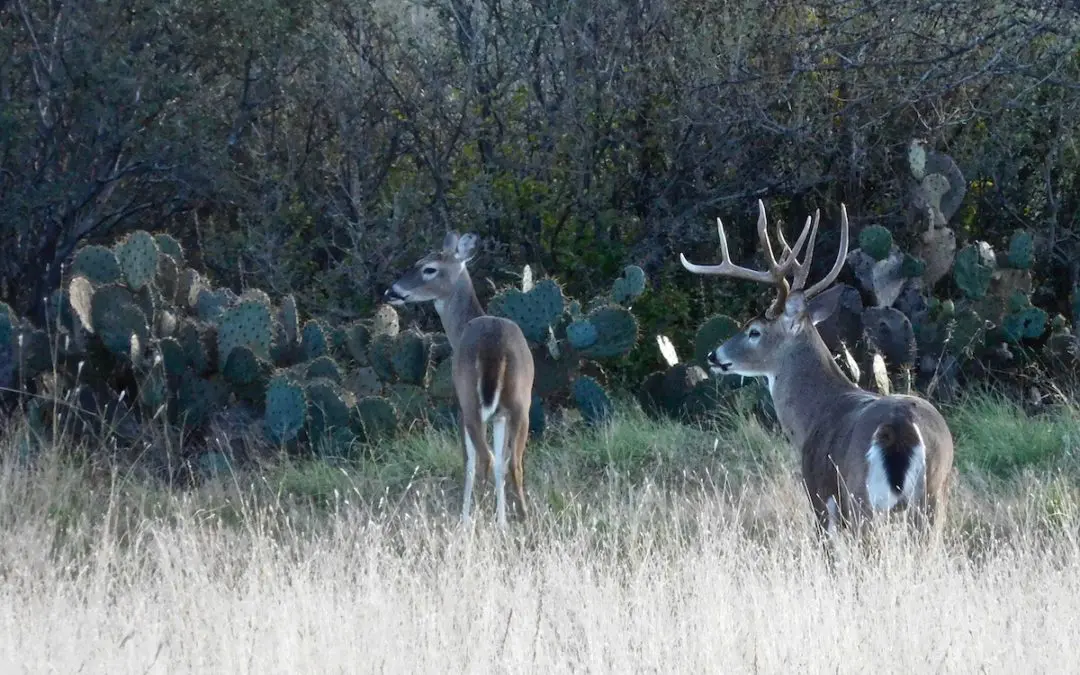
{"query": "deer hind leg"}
(477, 456)
(519, 436)
(499, 438)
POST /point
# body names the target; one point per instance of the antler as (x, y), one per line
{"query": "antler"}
(776, 275)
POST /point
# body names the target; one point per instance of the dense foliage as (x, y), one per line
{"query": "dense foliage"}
(313, 150)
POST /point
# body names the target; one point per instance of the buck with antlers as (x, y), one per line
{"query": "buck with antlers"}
(491, 363)
(862, 453)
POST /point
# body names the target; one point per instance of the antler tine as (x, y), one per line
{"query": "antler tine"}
(841, 258)
(802, 269)
(789, 253)
(726, 267)
(777, 271)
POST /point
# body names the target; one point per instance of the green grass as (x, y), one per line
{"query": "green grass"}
(995, 435)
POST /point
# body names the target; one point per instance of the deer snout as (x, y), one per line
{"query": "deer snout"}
(716, 363)
(395, 296)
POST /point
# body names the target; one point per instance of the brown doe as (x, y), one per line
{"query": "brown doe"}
(862, 453)
(491, 363)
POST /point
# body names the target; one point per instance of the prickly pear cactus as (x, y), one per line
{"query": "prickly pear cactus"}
(172, 356)
(80, 295)
(534, 312)
(381, 356)
(199, 342)
(1023, 320)
(442, 380)
(385, 321)
(629, 286)
(98, 264)
(592, 400)
(118, 322)
(582, 334)
(375, 417)
(290, 319)
(286, 409)
(1021, 250)
(324, 367)
(409, 357)
(937, 246)
(243, 367)
(876, 241)
(411, 402)
(313, 340)
(167, 278)
(249, 324)
(973, 271)
(328, 408)
(198, 398)
(190, 285)
(167, 244)
(138, 258)
(714, 332)
(210, 305)
(357, 339)
(617, 332)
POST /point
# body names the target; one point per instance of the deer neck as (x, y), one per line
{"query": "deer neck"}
(458, 309)
(806, 385)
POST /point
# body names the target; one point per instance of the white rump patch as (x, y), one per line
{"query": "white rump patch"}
(881, 494)
(486, 412)
(499, 433)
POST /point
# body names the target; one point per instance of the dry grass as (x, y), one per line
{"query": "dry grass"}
(685, 573)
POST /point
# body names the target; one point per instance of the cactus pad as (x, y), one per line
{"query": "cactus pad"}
(385, 321)
(380, 356)
(617, 331)
(256, 294)
(172, 356)
(410, 357)
(290, 319)
(442, 380)
(324, 367)
(167, 244)
(249, 324)
(592, 400)
(199, 342)
(98, 264)
(364, 382)
(534, 312)
(198, 398)
(411, 402)
(328, 408)
(714, 332)
(357, 339)
(286, 409)
(1021, 250)
(876, 241)
(313, 340)
(972, 272)
(190, 284)
(168, 278)
(1027, 323)
(629, 286)
(582, 334)
(241, 366)
(80, 295)
(375, 417)
(118, 322)
(138, 258)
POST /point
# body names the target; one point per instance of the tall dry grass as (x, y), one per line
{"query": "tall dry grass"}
(711, 570)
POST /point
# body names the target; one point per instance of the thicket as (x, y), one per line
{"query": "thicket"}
(314, 150)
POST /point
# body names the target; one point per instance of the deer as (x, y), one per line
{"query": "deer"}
(863, 454)
(492, 368)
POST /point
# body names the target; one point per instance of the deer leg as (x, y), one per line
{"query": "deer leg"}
(499, 437)
(475, 447)
(519, 436)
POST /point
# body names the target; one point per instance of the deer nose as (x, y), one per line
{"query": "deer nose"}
(714, 360)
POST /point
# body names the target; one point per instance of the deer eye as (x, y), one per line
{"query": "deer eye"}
(430, 271)
(754, 333)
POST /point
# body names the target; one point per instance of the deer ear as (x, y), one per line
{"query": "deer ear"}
(466, 247)
(822, 306)
(450, 242)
